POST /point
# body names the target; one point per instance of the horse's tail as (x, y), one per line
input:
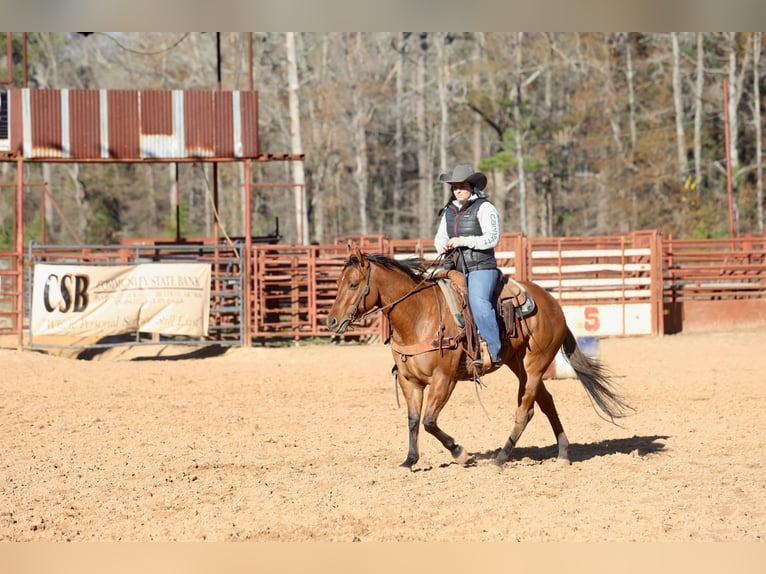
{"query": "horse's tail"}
(596, 379)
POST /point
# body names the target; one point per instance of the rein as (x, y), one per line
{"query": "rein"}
(416, 289)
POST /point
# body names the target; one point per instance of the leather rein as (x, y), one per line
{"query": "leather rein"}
(438, 344)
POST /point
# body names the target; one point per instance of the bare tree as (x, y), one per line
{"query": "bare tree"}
(301, 214)
(476, 80)
(518, 132)
(629, 75)
(401, 48)
(758, 129)
(358, 136)
(699, 87)
(679, 107)
(443, 81)
(425, 185)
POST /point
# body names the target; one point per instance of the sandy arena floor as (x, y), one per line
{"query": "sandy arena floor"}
(303, 444)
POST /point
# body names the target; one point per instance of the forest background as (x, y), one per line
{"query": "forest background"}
(579, 133)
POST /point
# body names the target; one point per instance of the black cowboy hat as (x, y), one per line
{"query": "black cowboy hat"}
(465, 173)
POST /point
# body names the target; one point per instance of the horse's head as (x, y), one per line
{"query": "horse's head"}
(353, 288)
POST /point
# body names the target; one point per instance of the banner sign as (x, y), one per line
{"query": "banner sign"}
(90, 300)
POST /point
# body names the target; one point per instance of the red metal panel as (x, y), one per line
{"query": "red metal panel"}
(249, 121)
(132, 125)
(199, 123)
(224, 124)
(123, 124)
(156, 112)
(16, 119)
(45, 108)
(84, 125)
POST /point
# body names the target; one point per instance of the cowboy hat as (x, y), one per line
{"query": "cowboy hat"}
(465, 173)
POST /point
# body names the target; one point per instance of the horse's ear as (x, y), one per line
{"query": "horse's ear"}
(354, 251)
(360, 257)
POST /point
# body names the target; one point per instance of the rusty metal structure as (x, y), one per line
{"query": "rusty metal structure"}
(88, 126)
(642, 282)
(131, 125)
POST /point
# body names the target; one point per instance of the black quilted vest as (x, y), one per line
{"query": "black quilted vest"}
(462, 222)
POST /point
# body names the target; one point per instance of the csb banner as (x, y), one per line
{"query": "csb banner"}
(89, 300)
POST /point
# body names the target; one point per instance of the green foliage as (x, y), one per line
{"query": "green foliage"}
(33, 231)
(104, 223)
(6, 234)
(171, 224)
(503, 159)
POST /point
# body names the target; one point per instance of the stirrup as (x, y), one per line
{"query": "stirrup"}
(485, 360)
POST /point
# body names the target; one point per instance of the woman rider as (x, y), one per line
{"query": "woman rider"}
(470, 229)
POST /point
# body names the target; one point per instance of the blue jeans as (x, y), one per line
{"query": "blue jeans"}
(481, 284)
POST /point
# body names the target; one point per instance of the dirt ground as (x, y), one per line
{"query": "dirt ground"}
(303, 444)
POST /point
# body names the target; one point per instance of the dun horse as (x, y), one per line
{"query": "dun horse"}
(425, 344)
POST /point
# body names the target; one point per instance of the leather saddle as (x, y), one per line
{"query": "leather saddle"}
(512, 302)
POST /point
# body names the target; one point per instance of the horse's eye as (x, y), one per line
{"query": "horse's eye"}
(353, 285)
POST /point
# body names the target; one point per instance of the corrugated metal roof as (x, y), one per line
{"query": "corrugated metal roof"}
(130, 125)
(84, 129)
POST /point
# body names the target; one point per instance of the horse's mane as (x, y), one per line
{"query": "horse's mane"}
(413, 267)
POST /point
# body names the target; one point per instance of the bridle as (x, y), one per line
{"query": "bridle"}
(356, 308)
(353, 316)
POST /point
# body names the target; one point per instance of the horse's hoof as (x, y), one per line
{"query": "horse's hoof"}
(407, 465)
(498, 468)
(461, 457)
(563, 461)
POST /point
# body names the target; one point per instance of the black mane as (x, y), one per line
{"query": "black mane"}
(413, 267)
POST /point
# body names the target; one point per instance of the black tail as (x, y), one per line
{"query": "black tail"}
(595, 377)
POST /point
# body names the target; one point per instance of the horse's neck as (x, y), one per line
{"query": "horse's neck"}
(413, 311)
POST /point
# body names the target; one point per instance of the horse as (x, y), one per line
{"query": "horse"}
(424, 343)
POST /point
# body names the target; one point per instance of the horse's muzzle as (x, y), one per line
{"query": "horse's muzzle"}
(337, 326)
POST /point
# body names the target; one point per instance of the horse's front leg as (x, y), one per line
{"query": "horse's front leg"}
(438, 395)
(413, 396)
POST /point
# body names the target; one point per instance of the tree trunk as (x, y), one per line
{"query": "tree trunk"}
(81, 200)
(319, 199)
(442, 50)
(631, 92)
(301, 215)
(358, 136)
(518, 138)
(758, 130)
(425, 186)
(699, 87)
(47, 205)
(478, 55)
(396, 216)
(679, 107)
(733, 102)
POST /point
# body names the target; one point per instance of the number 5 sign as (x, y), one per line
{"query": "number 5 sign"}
(614, 319)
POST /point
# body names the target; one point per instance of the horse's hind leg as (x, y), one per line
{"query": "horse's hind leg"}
(531, 390)
(524, 412)
(438, 395)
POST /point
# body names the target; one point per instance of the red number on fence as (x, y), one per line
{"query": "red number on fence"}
(592, 322)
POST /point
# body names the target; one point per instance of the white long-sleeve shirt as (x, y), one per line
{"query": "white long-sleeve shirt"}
(489, 220)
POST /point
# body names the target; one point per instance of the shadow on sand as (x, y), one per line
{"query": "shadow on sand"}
(120, 344)
(641, 445)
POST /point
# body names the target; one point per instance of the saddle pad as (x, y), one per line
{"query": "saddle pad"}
(449, 296)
